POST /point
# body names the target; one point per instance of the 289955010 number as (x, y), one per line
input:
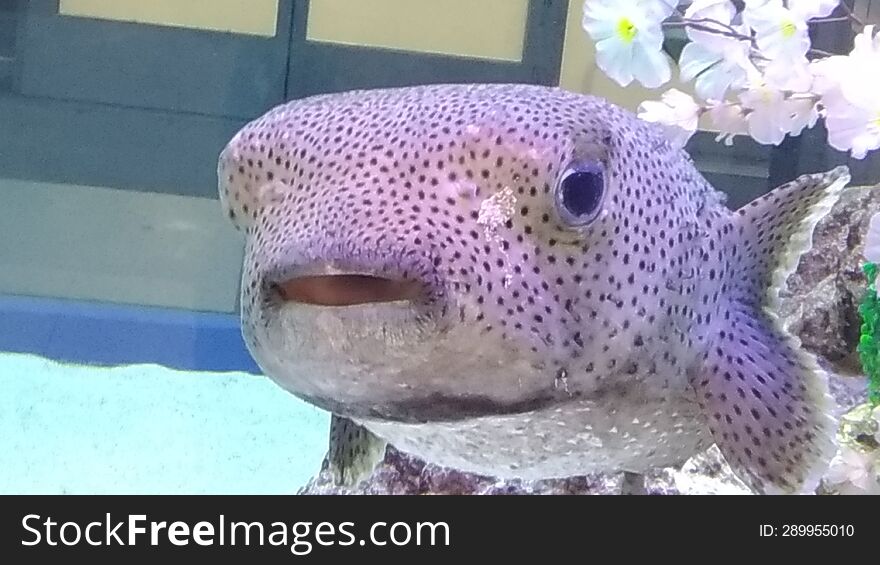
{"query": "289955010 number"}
(816, 530)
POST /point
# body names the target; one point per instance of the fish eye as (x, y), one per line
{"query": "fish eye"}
(579, 193)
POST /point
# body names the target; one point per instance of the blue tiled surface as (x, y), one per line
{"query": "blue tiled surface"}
(110, 334)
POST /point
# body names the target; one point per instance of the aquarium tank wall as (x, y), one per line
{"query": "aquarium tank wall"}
(122, 366)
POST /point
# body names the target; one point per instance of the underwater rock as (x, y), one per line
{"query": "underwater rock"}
(856, 469)
(821, 302)
(820, 306)
(401, 473)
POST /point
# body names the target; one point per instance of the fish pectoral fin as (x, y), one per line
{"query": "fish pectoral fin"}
(353, 451)
(772, 232)
(766, 402)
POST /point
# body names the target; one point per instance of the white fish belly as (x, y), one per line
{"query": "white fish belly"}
(576, 438)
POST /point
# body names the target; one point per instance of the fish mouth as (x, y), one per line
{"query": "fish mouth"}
(347, 289)
(341, 282)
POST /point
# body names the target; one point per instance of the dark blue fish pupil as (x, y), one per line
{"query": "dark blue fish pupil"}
(582, 192)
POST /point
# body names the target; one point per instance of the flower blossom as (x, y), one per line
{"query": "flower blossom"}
(677, 113)
(729, 119)
(808, 9)
(780, 33)
(851, 96)
(629, 39)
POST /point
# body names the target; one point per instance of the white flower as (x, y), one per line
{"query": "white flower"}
(861, 82)
(842, 80)
(854, 129)
(829, 75)
(853, 468)
(677, 112)
(718, 61)
(867, 44)
(851, 95)
(730, 121)
(768, 118)
(629, 39)
(872, 254)
(808, 9)
(780, 33)
(717, 69)
(794, 79)
(788, 74)
(773, 113)
(721, 11)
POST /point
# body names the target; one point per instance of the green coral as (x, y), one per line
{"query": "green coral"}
(869, 341)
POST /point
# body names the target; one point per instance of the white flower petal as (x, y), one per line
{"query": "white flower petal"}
(803, 114)
(600, 20)
(600, 29)
(721, 11)
(629, 38)
(789, 74)
(764, 130)
(808, 9)
(769, 116)
(650, 67)
(730, 121)
(659, 10)
(866, 44)
(779, 32)
(715, 82)
(615, 60)
(695, 58)
(677, 113)
(853, 129)
(859, 87)
(651, 37)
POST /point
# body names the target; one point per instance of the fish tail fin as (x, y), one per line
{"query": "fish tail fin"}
(353, 451)
(765, 399)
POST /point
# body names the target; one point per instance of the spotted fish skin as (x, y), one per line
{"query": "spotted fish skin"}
(537, 348)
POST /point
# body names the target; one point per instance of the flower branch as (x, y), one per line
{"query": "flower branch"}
(754, 70)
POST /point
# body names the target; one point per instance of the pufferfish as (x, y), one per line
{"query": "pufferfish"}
(522, 282)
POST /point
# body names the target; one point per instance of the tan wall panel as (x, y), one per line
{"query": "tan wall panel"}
(486, 29)
(252, 17)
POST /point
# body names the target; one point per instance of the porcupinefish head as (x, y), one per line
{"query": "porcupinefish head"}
(455, 263)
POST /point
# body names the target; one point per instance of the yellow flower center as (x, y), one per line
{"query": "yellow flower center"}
(788, 29)
(626, 30)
